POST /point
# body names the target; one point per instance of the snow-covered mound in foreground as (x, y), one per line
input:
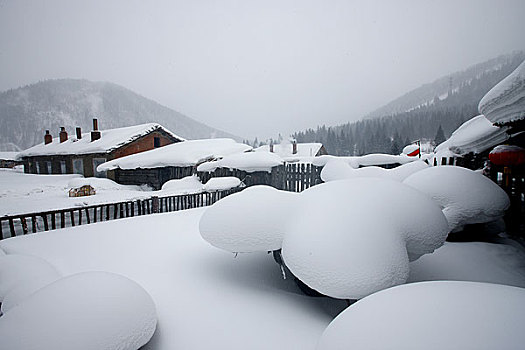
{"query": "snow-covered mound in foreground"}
(505, 102)
(222, 183)
(432, 315)
(99, 184)
(336, 169)
(465, 196)
(188, 184)
(89, 310)
(351, 238)
(252, 220)
(23, 271)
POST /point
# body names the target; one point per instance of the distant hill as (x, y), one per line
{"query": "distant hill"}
(26, 112)
(447, 102)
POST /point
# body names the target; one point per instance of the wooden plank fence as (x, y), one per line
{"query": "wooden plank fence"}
(21, 224)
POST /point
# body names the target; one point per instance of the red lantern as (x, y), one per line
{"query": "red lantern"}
(507, 155)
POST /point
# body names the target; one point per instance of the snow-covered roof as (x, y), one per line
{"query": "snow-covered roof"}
(505, 102)
(8, 155)
(110, 140)
(285, 150)
(249, 162)
(475, 135)
(181, 154)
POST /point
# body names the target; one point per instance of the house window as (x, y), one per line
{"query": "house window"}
(78, 166)
(49, 168)
(96, 163)
(156, 142)
(63, 169)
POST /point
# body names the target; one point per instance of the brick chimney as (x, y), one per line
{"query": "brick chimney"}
(79, 133)
(294, 147)
(48, 138)
(95, 134)
(63, 134)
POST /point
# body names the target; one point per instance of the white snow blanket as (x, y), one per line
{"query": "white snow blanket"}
(8, 155)
(188, 184)
(351, 238)
(505, 102)
(249, 162)
(466, 197)
(475, 135)
(222, 183)
(110, 140)
(337, 169)
(432, 315)
(18, 271)
(89, 310)
(366, 160)
(252, 220)
(285, 150)
(181, 154)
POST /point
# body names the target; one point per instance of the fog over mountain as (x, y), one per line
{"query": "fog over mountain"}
(26, 112)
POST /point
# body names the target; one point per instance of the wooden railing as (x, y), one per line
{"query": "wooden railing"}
(21, 224)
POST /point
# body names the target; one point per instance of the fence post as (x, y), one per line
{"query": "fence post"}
(155, 204)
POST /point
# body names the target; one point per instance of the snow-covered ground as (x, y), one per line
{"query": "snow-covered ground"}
(208, 298)
(27, 193)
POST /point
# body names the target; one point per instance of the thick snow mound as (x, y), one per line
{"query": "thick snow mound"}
(222, 183)
(18, 270)
(505, 102)
(99, 184)
(249, 162)
(337, 169)
(90, 310)
(252, 220)
(475, 135)
(466, 197)
(351, 238)
(188, 184)
(432, 315)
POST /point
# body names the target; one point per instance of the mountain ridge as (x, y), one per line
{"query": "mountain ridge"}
(26, 112)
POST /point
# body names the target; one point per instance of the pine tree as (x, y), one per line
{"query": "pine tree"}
(440, 136)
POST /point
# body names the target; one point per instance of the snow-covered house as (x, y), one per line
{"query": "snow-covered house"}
(155, 167)
(8, 159)
(82, 153)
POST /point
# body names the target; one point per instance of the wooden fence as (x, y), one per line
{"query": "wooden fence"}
(22, 224)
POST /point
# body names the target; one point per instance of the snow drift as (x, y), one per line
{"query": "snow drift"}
(252, 220)
(337, 169)
(351, 238)
(432, 315)
(89, 310)
(465, 196)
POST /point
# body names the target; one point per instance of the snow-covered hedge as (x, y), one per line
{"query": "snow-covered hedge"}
(90, 310)
(432, 315)
(466, 196)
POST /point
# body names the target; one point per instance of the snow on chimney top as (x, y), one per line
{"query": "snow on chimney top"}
(95, 134)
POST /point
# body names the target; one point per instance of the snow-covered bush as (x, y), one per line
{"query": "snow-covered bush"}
(222, 183)
(465, 196)
(24, 272)
(90, 310)
(432, 315)
(351, 238)
(252, 220)
(188, 184)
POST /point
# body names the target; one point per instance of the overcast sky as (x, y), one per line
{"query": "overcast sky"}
(256, 68)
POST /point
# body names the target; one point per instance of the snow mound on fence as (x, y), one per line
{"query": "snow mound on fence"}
(222, 183)
(351, 238)
(505, 102)
(249, 162)
(465, 196)
(188, 184)
(432, 315)
(20, 271)
(336, 169)
(90, 310)
(252, 220)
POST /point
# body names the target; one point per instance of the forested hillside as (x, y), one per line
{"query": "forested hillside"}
(422, 119)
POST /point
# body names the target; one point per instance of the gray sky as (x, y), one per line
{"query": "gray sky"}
(256, 68)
